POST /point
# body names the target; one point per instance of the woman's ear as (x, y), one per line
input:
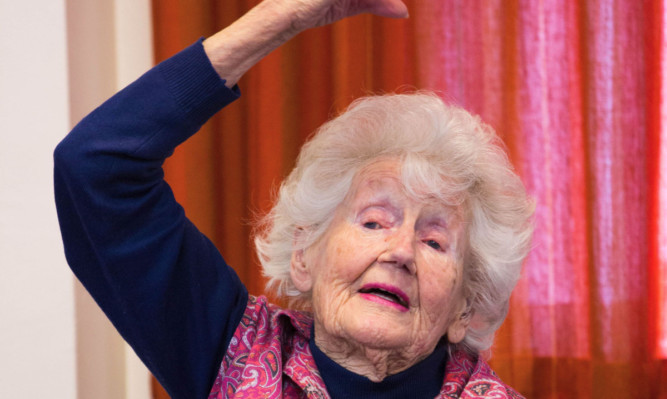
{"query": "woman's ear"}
(457, 330)
(299, 272)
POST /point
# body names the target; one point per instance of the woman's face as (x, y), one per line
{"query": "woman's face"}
(387, 273)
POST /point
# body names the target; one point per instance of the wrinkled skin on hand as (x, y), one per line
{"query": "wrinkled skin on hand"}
(312, 13)
(271, 23)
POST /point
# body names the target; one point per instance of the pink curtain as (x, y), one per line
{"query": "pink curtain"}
(576, 89)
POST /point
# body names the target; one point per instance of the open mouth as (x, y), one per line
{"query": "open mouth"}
(389, 294)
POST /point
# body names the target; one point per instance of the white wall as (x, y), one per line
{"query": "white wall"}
(36, 290)
(58, 59)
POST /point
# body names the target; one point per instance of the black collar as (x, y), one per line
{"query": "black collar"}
(423, 380)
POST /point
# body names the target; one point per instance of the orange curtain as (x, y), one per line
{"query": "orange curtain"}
(577, 91)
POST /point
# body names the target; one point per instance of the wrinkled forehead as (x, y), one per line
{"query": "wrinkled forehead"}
(416, 179)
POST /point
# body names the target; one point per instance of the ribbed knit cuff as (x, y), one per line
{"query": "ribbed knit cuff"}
(195, 84)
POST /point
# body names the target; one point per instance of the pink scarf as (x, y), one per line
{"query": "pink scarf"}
(269, 357)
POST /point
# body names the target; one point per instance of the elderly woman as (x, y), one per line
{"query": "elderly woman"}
(399, 236)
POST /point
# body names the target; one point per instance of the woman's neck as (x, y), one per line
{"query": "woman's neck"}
(421, 380)
(376, 364)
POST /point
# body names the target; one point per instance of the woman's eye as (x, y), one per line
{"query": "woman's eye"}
(372, 225)
(433, 244)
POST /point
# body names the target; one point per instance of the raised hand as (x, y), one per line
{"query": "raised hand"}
(271, 23)
(312, 13)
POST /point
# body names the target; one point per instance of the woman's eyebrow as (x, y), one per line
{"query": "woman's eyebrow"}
(380, 200)
(437, 223)
(441, 216)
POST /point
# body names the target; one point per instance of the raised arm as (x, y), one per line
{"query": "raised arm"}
(162, 283)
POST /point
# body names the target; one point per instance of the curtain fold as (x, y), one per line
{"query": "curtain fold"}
(576, 90)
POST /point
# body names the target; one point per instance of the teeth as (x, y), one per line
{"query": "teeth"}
(386, 295)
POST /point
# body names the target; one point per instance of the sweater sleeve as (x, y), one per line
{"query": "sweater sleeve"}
(162, 283)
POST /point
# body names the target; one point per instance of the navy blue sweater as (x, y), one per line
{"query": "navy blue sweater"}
(162, 283)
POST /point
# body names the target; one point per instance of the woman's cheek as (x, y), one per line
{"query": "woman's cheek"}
(438, 284)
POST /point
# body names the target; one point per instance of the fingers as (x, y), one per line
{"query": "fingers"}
(307, 14)
(388, 8)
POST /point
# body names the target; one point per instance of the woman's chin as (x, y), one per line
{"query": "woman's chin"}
(365, 324)
(381, 331)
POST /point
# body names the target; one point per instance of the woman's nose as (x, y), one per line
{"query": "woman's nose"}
(400, 250)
